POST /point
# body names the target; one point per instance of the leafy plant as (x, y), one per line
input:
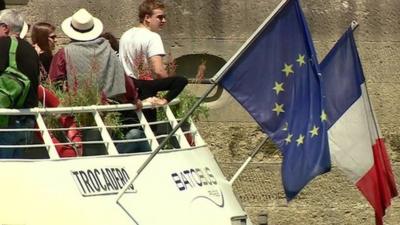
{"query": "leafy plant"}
(84, 92)
(187, 100)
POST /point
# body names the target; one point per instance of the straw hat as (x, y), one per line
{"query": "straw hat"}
(82, 26)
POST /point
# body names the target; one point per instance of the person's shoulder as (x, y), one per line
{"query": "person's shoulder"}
(128, 32)
(149, 32)
(26, 47)
(22, 42)
(45, 56)
(59, 53)
(4, 40)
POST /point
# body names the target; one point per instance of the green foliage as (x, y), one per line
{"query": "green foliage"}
(114, 119)
(84, 92)
(187, 100)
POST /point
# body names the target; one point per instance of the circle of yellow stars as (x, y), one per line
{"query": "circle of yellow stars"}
(280, 108)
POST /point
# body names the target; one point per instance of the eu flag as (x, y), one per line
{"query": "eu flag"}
(276, 79)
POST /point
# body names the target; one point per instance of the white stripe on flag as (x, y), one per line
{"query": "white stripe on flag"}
(350, 139)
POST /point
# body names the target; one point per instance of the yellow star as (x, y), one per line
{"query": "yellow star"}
(288, 139)
(301, 60)
(314, 131)
(324, 116)
(300, 140)
(288, 69)
(278, 87)
(278, 109)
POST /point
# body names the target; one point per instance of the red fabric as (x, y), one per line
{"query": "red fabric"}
(73, 134)
(49, 99)
(131, 94)
(378, 185)
(190, 139)
(58, 69)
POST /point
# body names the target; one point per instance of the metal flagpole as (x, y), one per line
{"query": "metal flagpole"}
(244, 165)
(214, 80)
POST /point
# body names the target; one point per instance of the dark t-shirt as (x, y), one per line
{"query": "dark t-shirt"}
(2, 5)
(27, 63)
(45, 59)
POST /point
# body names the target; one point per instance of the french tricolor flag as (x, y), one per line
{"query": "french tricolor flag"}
(355, 141)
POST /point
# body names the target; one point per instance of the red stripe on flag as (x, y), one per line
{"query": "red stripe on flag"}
(378, 185)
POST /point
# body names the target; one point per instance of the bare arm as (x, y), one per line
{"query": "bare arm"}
(157, 66)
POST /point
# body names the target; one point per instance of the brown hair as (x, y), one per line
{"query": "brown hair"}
(147, 7)
(40, 35)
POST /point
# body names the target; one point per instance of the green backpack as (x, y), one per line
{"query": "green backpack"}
(14, 85)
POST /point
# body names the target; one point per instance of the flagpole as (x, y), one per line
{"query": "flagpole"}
(164, 142)
(244, 165)
(233, 59)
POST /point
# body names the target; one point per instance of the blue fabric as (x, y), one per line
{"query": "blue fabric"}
(132, 147)
(16, 138)
(342, 79)
(283, 56)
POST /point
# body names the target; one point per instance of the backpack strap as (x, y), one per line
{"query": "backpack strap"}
(12, 62)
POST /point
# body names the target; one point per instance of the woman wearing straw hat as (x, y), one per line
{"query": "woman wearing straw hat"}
(88, 56)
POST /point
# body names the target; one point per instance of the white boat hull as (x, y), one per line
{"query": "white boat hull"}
(178, 187)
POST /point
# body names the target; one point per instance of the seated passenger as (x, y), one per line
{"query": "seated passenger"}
(90, 57)
(44, 40)
(87, 57)
(11, 23)
(144, 41)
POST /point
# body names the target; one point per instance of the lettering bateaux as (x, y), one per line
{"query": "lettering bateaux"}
(101, 181)
(193, 178)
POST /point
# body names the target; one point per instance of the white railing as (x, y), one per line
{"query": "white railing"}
(106, 138)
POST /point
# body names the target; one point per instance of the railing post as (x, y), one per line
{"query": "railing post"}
(51, 149)
(147, 131)
(111, 149)
(183, 143)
